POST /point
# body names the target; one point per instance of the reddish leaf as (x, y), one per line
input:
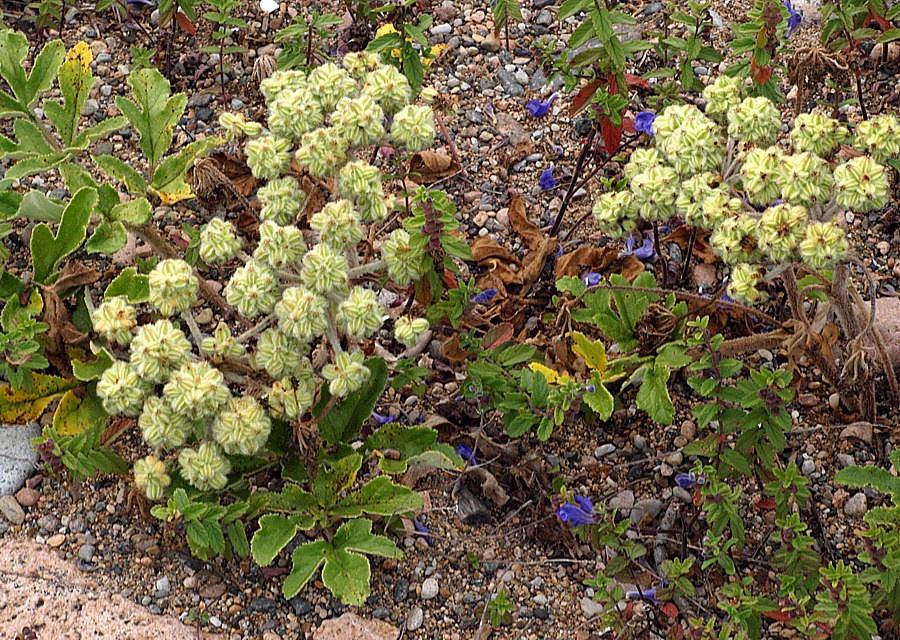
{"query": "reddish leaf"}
(273, 572)
(581, 99)
(636, 81)
(612, 135)
(185, 23)
(669, 609)
(761, 75)
(768, 503)
(450, 280)
(779, 616)
(628, 125)
(503, 332)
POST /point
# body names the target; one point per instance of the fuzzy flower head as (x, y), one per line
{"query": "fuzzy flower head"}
(242, 427)
(115, 319)
(219, 242)
(360, 64)
(221, 344)
(735, 240)
(360, 314)
(389, 88)
(151, 477)
(579, 514)
(290, 398)
(413, 127)
(173, 286)
(121, 389)
(615, 213)
(718, 207)
(404, 262)
(879, 137)
(324, 270)
(347, 374)
(278, 353)
(722, 95)
(295, 113)
(328, 83)
(358, 178)
(780, 231)
(861, 185)
(162, 426)
(817, 133)
(205, 467)
(804, 178)
(374, 206)
(642, 159)
(322, 151)
(301, 314)
(280, 81)
(282, 199)
(268, 157)
(279, 246)
(689, 140)
(654, 192)
(196, 390)
(159, 349)
(407, 331)
(694, 191)
(338, 225)
(252, 290)
(824, 245)
(743, 283)
(361, 120)
(754, 120)
(759, 172)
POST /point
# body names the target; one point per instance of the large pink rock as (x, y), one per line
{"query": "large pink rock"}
(351, 627)
(887, 319)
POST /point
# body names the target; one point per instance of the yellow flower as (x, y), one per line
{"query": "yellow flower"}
(435, 51)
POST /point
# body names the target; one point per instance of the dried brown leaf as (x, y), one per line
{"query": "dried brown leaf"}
(427, 166)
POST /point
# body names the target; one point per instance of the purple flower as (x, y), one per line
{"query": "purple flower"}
(547, 181)
(423, 531)
(688, 480)
(577, 515)
(466, 452)
(589, 388)
(645, 252)
(794, 18)
(485, 296)
(558, 150)
(643, 122)
(648, 594)
(592, 279)
(383, 420)
(539, 109)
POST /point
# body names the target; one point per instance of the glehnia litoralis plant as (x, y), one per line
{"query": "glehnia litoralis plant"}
(771, 207)
(300, 292)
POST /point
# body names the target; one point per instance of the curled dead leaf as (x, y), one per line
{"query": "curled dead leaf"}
(597, 260)
(427, 166)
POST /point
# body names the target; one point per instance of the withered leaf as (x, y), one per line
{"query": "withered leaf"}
(75, 274)
(529, 232)
(453, 352)
(597, 260)
(702, 249)
(427, 166)
(485, 248)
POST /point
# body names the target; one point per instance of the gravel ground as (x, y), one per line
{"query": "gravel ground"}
(438, 590)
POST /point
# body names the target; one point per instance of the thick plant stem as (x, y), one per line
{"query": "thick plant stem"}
(850, 321)
(662, 260)
(363, 269)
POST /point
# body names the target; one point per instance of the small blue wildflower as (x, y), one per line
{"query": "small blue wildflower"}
(547, 180)
(592, 279)
(589, 388)
(485, 296)
(383, 420)
(577, 515)
(558, 150)
(423, 531)
(643, 122)
(688, 480)
(647, 594)
(538, 109)
(794, 18)
(645, 252)
(559, 250)
(467, 453)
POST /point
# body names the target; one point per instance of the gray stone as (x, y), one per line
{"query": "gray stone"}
(538, 80)
(856, 506)
(90, 107)
(401, 591)
(544, 18)
(415, 619)
(48, 523)
(163, 588)
(381, 613)
(87, 551)
(430, 589)
(623, 501)
(808, 466)
(301, 606)
(648, 508)
(263, 605)
(11, 510)
(591, 608)
(653, 7)
(509, 83)
(17, 457)
(845, 460)
(604, 450)
(441, 29)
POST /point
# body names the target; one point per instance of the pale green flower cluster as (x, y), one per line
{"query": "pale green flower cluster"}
(764, 201)
(173, 286)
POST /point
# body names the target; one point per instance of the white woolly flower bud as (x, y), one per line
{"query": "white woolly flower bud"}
(754, 120)
(879, 137)
(268, 157)
(219, 242)
(295, 113)
(360, 314)
(282, 199)
(759, 173)
(722, 95)
(361, 64)
(615, 213)
(407, 331)
(404, 261)
(289, 80)
(205, 467)
(324, 270)
(743, 282)
(861, 185)
(735, 240)
(115, 319)
(361, 120)
(233, 125)
(642, 159)
(290, 399)
(162, 426)
(329, 83)
(694, 146)
(389, 88)
(196, 390)
(825, 244)
(347, 374)
(338, 225)
(242, 427)
(173, 286)
(374, 206)
(781, 229)
(694, 191)
(278, 353)
(151, 477)
(358, 178)
(654, 192)
(302, 314)
(413, 126)
(322, 151)
(252, 290)
(804, 178)
(817, 133)
(121, 389)
(221, 345)
(279, 246)
(158, 349)
(718, 207)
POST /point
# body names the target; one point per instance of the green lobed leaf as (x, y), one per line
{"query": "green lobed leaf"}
(21, 407)
(87, 371)
(332, 479)
(78, 411)
(168, 179)
(108, 237)
(153, 112)
(75, 83)
(345, 419)
(274, 533)
(379, 496)
(48, 250)
(307, 558)
(653, 396)
(37, 206)
(131, 284)
(133, 181)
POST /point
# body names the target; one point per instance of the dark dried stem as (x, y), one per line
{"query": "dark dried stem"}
(690, 254)
(579, 166)
(450, 144)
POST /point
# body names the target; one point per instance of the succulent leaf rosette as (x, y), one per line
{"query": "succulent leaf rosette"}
(766, 201)
(299, 290)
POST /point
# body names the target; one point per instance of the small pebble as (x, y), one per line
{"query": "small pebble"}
(12, 510)
(56, 540)
(430, 589)
(27, 497)
(856, 506)
(415, 619)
